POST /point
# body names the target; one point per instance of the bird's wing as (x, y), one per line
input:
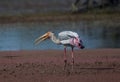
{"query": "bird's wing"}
(65, 35)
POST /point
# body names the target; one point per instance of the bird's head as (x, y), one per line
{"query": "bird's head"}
(43, 37)
(78, 43)
(81, 45)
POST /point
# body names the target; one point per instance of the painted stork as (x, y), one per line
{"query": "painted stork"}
(66, 38)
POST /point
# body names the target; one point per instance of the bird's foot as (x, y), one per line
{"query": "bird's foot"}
(65, 61)
(72, 64)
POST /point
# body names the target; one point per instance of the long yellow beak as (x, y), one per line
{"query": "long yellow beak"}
(41, 38)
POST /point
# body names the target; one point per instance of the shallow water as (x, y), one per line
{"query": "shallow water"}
(95, 34)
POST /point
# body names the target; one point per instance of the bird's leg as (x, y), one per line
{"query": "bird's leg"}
(72, 56)
(65, 59)
(72, 59)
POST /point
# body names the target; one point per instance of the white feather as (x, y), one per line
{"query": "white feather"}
(65, 35)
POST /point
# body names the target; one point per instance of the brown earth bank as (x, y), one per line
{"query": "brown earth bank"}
(91, 65)
(53, 17)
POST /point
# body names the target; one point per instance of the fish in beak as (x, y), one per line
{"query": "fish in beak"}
(42, 38)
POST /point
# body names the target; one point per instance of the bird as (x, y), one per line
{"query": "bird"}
(65, 38)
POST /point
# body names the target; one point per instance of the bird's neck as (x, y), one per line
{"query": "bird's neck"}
(54, 39)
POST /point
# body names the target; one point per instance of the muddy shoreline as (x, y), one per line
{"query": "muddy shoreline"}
(101, 65)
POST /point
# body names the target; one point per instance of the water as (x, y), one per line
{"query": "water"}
(95, 34)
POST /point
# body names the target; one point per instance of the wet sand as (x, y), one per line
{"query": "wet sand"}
(95, 65)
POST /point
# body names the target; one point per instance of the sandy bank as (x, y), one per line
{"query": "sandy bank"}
(98, 65)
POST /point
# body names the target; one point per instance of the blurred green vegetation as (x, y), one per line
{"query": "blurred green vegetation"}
(62, 16)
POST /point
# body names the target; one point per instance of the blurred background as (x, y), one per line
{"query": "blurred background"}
(12, 7)
(96, 21)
